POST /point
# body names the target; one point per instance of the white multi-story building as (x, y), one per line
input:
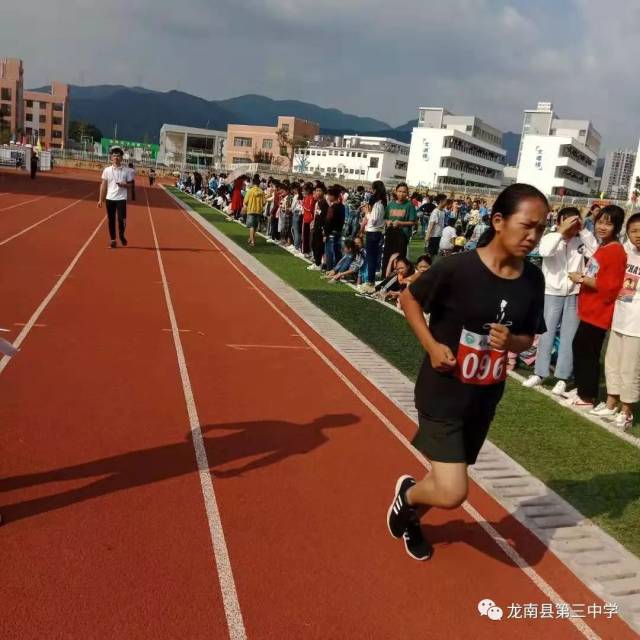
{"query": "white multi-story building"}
(450, 151)
(558, 156)
(634, 182)
(365, 158)
(181, 145)
(616, 176)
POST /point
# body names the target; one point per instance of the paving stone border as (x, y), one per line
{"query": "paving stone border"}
(597, 559)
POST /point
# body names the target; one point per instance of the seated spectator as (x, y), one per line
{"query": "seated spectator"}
(459, 241)
(347, 267)
(391, 287)
(448, 237)
(423, 264)
(477, 232)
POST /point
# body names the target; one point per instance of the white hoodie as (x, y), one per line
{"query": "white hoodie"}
(560, 258)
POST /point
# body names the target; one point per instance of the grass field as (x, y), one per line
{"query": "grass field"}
(593, 470)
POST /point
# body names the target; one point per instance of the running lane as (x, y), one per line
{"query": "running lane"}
(304, 472)
(105, 533)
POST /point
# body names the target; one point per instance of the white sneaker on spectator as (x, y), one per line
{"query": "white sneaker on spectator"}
(313, 267)
(602, 411)
(559, 388)
(624, 421)
(578, 403)
(532, 381)
(271, 241)
(570, 394)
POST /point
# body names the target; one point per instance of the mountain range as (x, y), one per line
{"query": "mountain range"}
(139, 113)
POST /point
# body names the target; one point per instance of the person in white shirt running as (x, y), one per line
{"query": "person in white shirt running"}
(113, 193)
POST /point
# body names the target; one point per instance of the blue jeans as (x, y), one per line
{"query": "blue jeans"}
(343, 264)
(559, 311)
(332, 249)
(296, 227)
(373, 247)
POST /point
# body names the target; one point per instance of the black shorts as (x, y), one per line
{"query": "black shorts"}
(453, 440)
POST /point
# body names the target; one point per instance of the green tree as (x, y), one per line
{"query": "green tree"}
(79, 129)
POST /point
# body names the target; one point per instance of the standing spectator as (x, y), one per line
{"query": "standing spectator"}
(424, 213)
(308, 207)
(285, 215)
(622, 362)
(354, 200)
(152, 176)
(317, 226)
(448, 237)
(34, 164)
(131, 179)
(591, 216)
(334, 223)
(599, 287)
(373, 227)
(400, 220)
(296, 218)
(236, 196)
(254, 202)
(436, 226)
(563, 252)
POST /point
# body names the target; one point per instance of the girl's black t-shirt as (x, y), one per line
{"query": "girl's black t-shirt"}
(463, 297)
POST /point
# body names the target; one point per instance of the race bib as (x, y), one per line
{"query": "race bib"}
(478, 363)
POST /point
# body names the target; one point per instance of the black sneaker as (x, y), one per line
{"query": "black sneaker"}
(416, 545)
(400, 512)
(113, 244)
(123, 242)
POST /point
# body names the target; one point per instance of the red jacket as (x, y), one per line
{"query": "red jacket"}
(308, 207)
(607, 265)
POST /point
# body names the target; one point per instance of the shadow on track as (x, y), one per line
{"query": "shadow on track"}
(266, 442)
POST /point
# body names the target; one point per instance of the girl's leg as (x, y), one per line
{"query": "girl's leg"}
(613, 369)
(630, 373)
(553, 306)
(446, 486)
(568, 328)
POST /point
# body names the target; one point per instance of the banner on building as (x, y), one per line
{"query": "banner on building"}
(134, 151)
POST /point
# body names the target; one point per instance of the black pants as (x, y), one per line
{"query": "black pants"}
(118, 207)
(133, 191)
(434, 246)
(395, 241)
(587, 346)
(33, 173)
(306, 237)
(317, 245)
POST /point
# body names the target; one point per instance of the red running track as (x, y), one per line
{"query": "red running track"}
(106, 531)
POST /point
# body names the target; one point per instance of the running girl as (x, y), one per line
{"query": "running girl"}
(483, 304)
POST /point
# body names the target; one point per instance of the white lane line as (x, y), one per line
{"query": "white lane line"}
(13, 206)
(53, 215)
(43, 305)
(244, 347)
(232, 610)
(513, 555)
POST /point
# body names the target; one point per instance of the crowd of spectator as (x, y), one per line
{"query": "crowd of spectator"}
(363, 236)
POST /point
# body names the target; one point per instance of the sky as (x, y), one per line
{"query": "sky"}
(376, 58)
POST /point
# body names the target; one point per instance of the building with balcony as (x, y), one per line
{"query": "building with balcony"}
(46, 116)
(364, 158)
(634, 182)
(561, 161)
(11, 95)
(616, 176)
(268, 145)
(180, 145)
(449, 151)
